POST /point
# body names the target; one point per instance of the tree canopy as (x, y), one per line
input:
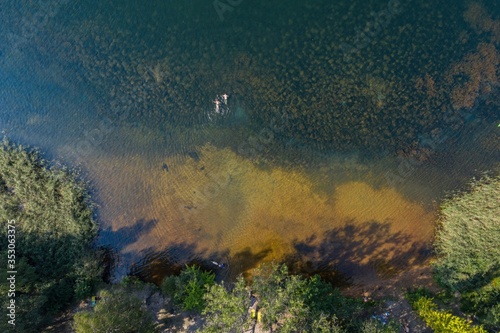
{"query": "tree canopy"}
(227, 311)
(117, 311)
(52, 214)
(288, 303)
(188, 289)
(468, 235)
(468, 251)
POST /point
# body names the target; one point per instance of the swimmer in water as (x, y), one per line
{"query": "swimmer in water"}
(217, 104)
(225, 97)
(218, 265)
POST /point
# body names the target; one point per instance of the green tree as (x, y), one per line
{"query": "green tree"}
(117, 311)
(290, 303)
(284, 300)
(375, 326)
(325, 324)
(322, 298)
(278, 296)
(52, 214)
(468, 235)
(468, 255)
(484, 302)
(227, 311)
(189, 288)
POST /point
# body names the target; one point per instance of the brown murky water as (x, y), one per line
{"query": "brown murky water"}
(338, 215)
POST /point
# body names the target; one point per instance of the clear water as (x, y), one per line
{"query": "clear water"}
(307, 160)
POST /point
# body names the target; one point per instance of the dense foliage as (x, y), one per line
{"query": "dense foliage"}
(227, 311)
(467, 240)
(294, 304)
(484, 302)
(54, 230)
(188, 289)
(117, 311)
(375, 326)
(287, 303)
(354, 80)
(468, 254)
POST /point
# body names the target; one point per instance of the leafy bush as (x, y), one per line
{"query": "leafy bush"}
(414, 295)
(281, 296)
(325, 324)
(117, 311)
(54, 233)
(293, 304)
(227, 311)
(322, 297)
(484, 302)
(188, 289)
(442, 321)
(375, 326)
(285, 301)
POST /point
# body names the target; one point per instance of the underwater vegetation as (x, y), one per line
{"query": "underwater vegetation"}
(406, 67)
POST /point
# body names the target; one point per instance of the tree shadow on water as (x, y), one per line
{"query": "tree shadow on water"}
(357, 252)
(245, 260)
(125, 236)
(154, 265)
(353, 253)
(116, 241)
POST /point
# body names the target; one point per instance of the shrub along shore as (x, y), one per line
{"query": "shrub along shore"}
(54, 256)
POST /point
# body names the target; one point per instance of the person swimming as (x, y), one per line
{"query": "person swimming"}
(217, 104)
(218, 265)
(224, 98)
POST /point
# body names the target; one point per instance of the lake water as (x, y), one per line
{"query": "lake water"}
(343, 128)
